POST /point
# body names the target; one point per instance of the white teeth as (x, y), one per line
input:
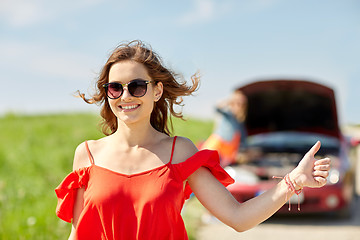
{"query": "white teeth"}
(129, 107)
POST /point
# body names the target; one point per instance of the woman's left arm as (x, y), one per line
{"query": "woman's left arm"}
(219, 201)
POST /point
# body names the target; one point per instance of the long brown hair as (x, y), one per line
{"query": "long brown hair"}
(174, 87)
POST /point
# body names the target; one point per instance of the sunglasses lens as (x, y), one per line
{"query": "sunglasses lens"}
(137, 88)
(114, 90)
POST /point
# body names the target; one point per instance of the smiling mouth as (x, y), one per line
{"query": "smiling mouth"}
(129, 107)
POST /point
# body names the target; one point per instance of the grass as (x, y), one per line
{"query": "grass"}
(36, 153)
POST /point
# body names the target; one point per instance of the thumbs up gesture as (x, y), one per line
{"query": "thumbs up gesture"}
(311, 172)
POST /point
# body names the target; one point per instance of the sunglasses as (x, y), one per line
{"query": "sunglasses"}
(136, 88)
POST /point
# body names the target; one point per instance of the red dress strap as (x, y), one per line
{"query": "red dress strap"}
(89, 153)
(172, 150)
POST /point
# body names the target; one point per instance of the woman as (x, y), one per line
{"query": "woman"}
(132, 184)
(229, 136)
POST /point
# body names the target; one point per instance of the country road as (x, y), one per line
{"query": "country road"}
(303, 227)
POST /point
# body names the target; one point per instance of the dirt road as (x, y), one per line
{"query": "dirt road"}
(323, 227)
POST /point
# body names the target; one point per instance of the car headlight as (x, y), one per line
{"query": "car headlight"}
(334, 176)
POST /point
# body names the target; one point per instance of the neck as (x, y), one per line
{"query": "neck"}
(135, 134)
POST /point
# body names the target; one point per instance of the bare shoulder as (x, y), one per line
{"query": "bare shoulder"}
(184, 148)
(81, 157)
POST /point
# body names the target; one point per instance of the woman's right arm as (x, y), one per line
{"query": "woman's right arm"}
(78, 206)
(80, 160)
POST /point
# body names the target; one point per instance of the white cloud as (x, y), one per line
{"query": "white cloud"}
(18, 13)
(203, 11)
(23, 13)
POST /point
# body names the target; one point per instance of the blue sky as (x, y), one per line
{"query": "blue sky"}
(50, 49)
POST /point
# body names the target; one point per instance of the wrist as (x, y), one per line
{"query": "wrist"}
(296, 180)
(290, 180)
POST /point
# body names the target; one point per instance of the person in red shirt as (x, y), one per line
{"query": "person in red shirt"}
(132, 183)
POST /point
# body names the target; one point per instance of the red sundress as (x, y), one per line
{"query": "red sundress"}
(144, 205)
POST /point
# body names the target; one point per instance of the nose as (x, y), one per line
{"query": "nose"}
(126, 94)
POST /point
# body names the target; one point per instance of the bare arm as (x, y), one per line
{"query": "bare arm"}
(80, 160)
(78, 206)
(219, 201)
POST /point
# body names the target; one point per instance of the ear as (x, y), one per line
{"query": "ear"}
(158, 91)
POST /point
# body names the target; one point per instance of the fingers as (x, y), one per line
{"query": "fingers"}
(322, 164)
(321, 168)
(320, 180)
(323, 174)
(324, 161)
(314, 148)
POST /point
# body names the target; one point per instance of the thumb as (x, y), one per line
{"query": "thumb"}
(314, 148)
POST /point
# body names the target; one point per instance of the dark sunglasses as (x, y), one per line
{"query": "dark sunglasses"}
(136, 88)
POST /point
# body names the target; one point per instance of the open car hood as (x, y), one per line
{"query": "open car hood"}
(291, 105)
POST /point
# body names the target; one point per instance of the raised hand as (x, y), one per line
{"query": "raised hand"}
(311, 172)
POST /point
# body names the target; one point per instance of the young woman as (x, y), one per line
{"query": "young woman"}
(132, 184)
(229, 136)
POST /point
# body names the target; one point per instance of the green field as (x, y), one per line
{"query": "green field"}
(36, 153)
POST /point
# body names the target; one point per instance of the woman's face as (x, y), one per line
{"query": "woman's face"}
(238, 105)
(127, 108)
